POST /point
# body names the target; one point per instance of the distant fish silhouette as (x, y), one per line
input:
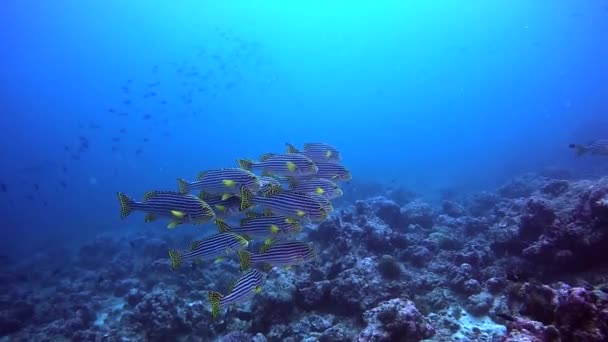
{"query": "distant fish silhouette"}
(139, 151)
(146, 139)
(111, 110)
(123, 130)
(66, 148)
(147, 117)
(115, 139)
(3, 187)
(126, 102)
(63, 184)
(36, 186)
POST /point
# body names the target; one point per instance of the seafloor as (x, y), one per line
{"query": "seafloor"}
(523, 263)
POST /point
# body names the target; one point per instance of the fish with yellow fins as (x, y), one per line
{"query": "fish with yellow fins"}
(211, 247)
(245, 287)
(288, 203)
(281, 165)
(225, 182)
(317, 152)
(277, 254)
(180, 208)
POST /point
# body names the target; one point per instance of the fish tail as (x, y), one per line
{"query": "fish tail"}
(245, 164)
(215, 299)
(580, 149)
(244, 260)
(183, 185)
(246, 198)
(127, 204)
(176, 259)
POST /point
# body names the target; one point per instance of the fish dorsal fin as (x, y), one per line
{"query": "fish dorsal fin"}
(195, 244)
(207, 211)
(266, 156)
(243, 241)
(150, 194)
(267, 245)
(201, 175)
(232, 285)
(307, 146)
(222, 226)
(290, 148)
(272, 190)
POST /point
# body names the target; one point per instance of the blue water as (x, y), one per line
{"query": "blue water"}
(429, 94)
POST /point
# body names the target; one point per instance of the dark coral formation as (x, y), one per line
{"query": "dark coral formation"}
(494, 266)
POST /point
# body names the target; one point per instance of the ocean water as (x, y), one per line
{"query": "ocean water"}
(433, 96)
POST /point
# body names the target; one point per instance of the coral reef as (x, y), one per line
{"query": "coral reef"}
(495, 266)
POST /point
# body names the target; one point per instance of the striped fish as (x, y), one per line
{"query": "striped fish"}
(241, 290)
(225, 182)
(179, 207)
(223, 208)
(212, 247)
(281, 165)
(316, 186)
(598, 147)
(284, 253)
(288, 203)
(263, 227)
(317, 152)
(332, 171)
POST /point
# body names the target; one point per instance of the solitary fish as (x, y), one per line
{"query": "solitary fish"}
(291, 204)
(179, 207)
(212, 247)
(243, 289)
(225, 182)
(317, 152)
(316, 186)
(598, 147)
(263, 227)
(284, 253)
(281, 165)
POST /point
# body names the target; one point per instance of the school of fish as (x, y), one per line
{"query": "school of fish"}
(258, 209)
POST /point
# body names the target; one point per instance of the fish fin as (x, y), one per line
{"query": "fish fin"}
(229, 183)
(226, 196)
(149, 218)
(580, 149)
(244, 260)
(268, 212)
(267, 244)
(272, 190)
(178, 214)
(287, 268)
(300, 213)
(222, 226)
(176, 259)
(173, 224)
(126, 204)
(242, 240)
(291, 166)
(266, 156)
(220, 207)
(207, 211)
(201, 175)
(183, 186)
(215, 299)
(258, 289)
(297, 227)
(319, 191)
(307, 146)
(150, 194)
(220, 259)
(245, 164)
(328, 154)
(246, 198)
(290, 148)
(274, 229)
